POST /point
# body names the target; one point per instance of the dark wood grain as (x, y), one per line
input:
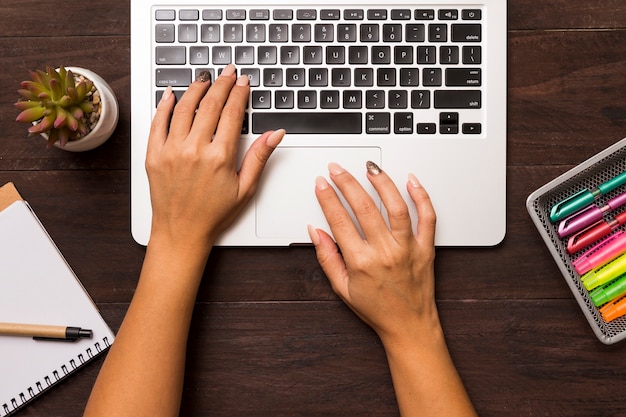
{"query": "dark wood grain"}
(269, 337)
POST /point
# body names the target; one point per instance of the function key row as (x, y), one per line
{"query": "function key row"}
(312, 14)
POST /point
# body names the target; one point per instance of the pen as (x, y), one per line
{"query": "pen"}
(614, 310)
(594, 233)
(611, 291)
(601, 253)
(588, 216)
(584, 197)
(605, 273)
(44, 332)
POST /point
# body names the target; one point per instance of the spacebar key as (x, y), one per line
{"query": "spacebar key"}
(308, 123)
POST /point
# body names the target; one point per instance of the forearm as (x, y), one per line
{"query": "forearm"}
(144, 370)
(424, 377)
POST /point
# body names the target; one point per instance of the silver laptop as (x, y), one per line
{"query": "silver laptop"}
(415, 87)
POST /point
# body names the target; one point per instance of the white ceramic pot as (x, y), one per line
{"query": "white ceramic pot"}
(109, 115)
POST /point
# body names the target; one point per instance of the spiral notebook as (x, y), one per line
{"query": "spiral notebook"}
(37, 286)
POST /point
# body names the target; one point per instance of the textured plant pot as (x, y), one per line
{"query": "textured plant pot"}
(109, 116)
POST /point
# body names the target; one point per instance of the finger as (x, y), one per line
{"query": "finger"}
(363, 206)
(255, 160)
(331, 261)
(397, 210)
(210, 108)
(336, 215)
(231, 120)
(161, 121)
(426, 217)
(185, 109)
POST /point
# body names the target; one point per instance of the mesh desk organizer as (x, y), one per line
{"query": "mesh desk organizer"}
(588, 175)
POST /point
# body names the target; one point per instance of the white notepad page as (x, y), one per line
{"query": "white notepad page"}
(37, 286)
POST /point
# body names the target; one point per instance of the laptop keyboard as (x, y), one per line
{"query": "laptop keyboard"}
(340, 70)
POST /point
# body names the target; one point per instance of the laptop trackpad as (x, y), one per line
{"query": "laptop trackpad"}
(285, 201)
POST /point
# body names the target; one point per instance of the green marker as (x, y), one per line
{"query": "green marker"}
(611, 291)
(583, 198)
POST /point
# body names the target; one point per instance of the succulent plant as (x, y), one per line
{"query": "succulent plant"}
(57, 103)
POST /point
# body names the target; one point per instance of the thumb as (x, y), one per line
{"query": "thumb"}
(255, 159)
(331, 261)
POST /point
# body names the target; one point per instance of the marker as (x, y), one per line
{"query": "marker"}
(599, 254)
(611, 291)
(605, 273)
(614, 310)
(583, 198)
(588, 216)
(44, 332)
(594, 233)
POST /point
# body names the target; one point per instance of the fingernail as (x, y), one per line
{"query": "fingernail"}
(166, 94)
(314, 235)
(204, 76)
(243, 80)
(229, 70)
(275, 138)
(414, 182)
(335, 169)
(321, 183)
(372, 168)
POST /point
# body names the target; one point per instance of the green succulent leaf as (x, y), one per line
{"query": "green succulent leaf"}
(30, 115)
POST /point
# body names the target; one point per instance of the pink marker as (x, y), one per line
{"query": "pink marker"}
(599, 254)
(588, 216)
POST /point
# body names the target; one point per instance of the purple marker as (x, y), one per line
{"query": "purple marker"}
(586, 217)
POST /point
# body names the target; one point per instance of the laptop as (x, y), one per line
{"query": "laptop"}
(415, 87)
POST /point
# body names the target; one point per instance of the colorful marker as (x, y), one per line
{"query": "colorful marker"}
(612, 291)
(602, 253)
(583, 198)
(605, 273)
(594, 233)
(614, 310)
(588, 216)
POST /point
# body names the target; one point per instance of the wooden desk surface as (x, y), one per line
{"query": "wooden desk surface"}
(269, 337)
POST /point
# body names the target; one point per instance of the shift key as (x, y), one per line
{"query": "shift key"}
(458, 99)
(176, 77)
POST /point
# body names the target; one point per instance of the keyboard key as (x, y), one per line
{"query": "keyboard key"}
(432, 77)
(449, 55)
(284, 99)
(415, 33)
(308, 123)
(386, 77)
(472, 55)
(449, 123)
(244, 55)
(420, 99)
(438, 32)
(369, 32)
(426, 128)
(187, 33)
(301, 33)
(212, 14)
(392, 33)
(471, 128)
(210, 33)
(364, 77)
(329, 99)
(463, 77)
(448, 14)
(235, 14)
(221, 55)
(233, 33)
(283, 14)
(176, 77)
(357, 55)
(199, 55)
(353, 14)
(398, 99)
(189, 14)
(400, 14)
(471, 14)
(259, 14)
(352, 99)
(253, 76)
(424, 14)
(375, 99)
(295, 77)
(267, 55)
(346, 33)
(289, 55)
(330, 14)
(312, 55)
(426, 55)
(261, 99)
(466, 32)
(171, 55)
(318, 77)
(306, 14)
(324, 33)
(377, 14)
(335, 55)
(341, 77)
(164, 33)
(307, 99)
(409, 77)
(255, 32)
(272, 77)
(165, 14)
(279, 33)
(457, 99)
(377, 123)
(403, 123)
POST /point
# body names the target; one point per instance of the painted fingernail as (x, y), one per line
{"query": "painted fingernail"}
(166, 94)
(335, 169)
(204, 76)
(372, 168)
(243, 80)
(274, 139)
(229, 70)
(414, 182)
(321, 183)
(314, 235)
